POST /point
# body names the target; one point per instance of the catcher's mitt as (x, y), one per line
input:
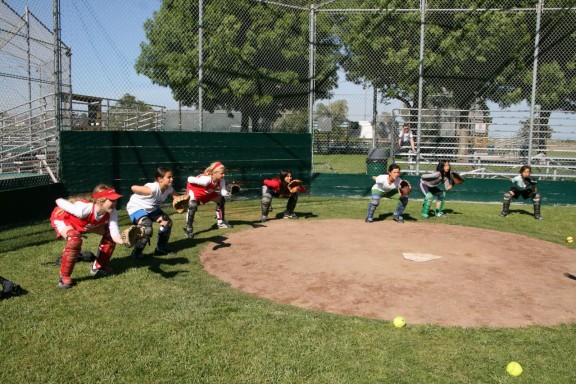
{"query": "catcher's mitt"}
(180, 203)
(456, 178)
(529, 181)
(404, 188)
(295, 186)
(131, 235)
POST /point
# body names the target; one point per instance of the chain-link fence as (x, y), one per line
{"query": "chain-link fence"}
(487, 88)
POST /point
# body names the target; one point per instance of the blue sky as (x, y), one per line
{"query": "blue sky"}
(105, 37)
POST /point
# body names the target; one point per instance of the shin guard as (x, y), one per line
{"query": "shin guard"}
(105, 250)
(426, 204)
(164, 232)
(374, 202)
(266, 203)
(192, 208)
(70, 253)
(220, 210)
(506, 204)
(536, 200)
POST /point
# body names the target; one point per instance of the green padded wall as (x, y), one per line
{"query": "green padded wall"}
(125, 158)
(473, 189)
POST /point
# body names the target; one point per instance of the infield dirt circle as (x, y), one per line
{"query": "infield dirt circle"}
(481, 278)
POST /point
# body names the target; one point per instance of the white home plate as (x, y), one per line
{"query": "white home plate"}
(419, 257)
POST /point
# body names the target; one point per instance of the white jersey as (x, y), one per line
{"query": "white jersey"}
(150, 202)
(384, 185)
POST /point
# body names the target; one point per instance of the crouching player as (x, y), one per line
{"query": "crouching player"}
(388, 186)
(87, 214)
(144, 209)
(429, 183)
(523, 185)
(206, 187)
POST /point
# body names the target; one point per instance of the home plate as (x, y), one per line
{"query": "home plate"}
(420, 257)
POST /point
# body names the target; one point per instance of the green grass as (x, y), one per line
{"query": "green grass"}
(165, 320)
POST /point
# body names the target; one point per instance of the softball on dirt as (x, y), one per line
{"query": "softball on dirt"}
(514, 369)
(399, 322)
(569, 239)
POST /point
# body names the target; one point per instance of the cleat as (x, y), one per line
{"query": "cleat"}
(290, 216)
(398, 218)
(369, 220)
(64, 282)
(425, 216)
(538, 217)
(439, 214)
(101, 272)
(189, 232)
(163, 252)
(264, 219)
(503, 214)
(224, 224)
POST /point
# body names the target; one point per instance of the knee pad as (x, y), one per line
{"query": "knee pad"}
(73, 240)
(266, 199)
(429, 196)
(146, 225)
(507, 196)
(168, 220)
(537, 197)
(375, 200)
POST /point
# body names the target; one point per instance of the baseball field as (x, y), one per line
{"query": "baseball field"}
(195, 317)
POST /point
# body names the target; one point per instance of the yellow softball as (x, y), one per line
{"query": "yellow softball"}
(399, 322)
(514, 369)
(569, 239)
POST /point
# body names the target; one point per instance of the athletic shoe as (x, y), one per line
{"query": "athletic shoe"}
(189, 232)
(264, 219)
(163, 252)
(224, 224)
(503, 214)
(100, 272)
(398, 218)
(64, 282)
(369, 220)
(538, 217)
(439, 214)
(425, 216)
(290, 216)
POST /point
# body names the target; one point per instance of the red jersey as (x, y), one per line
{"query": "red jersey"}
(212, 188)
(81, 224)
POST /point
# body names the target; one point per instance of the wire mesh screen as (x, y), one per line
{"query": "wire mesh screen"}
(486, 87)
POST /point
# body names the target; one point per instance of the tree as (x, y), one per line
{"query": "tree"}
(470, 55)
(337, 111)
(131, 113)
(255, 57)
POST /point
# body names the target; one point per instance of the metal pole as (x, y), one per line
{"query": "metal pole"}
(200, 64)
(534, 78)
(57, 65)
(29, 65)
(420, 80)
(374, 114)
(311, 68)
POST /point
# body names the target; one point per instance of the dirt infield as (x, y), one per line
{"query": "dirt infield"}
(482, 278)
